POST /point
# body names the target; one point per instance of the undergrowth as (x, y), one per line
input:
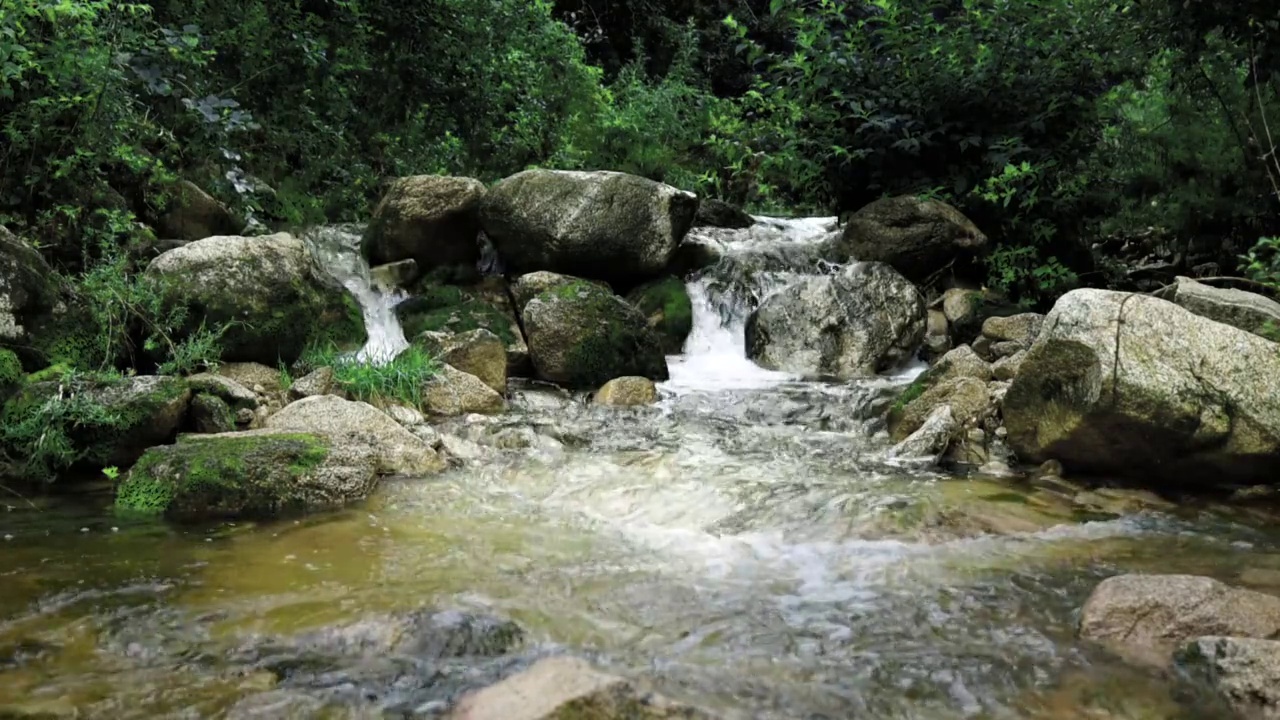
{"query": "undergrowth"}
(397, 382)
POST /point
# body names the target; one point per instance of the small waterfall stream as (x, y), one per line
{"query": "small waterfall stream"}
(337, 250)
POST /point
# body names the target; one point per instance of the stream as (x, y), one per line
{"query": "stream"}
(744, 545)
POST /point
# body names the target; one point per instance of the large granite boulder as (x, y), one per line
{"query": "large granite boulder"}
(395, 450)
(863, 320)
(1238, 308)
(1245, 672)
(601, 225)
(431, 219)
(1131, 385)
(917, 237)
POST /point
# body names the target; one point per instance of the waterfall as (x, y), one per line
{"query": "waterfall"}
(337, 250)
(753, 264)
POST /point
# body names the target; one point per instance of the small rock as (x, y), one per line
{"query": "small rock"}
(960, 362)
(211, 414)
(394, 275)
(1021, 328)
(406, 416)
(251, 374)
(960, 305)
(996, 468)
(477, 352)
(1051, 468)
(1006, 368)
(1006, 348)
(930, 440)
(233, 393)
(626, 392)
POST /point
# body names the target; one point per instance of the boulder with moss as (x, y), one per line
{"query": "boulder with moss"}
(582, 336)
(104, 420)
(268, 291)
(667, 306)
(604, 225)
(256, 474)
(190, 213)
(211, 414)
(431, 219)
(452, 309)
(476, 352)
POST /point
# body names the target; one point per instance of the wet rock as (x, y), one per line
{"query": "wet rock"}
(917, 237)
(931, 439)
(397, 451)
(318, 382)
(139, 411)
(260, 473)
(395, 275)
(982, 347)
(1243, 671)
(211, 414)
(666, 304)
(581, 336)
(937, 336)
(406, 416)
(269, 290)
(234, 394)
(531, 285)
(477, 352)
(865, 319)
(720, 214)
(1006, 348)
(563, 687)
(626, 392)
(454, 392)
(194, 214)
(1022, 328)
(1143, 618)
(431, 219)
(1134, 386)
(968, 398)
(1245, 310)
(460, 449)
(960, 306)
(1006, 368)
(602, 225)
(28, 291)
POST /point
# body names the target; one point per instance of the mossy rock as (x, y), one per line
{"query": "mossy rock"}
(267, 291)
(455, 310)
(102, 421)
(670, 313)
(582, 336)
(260, 474)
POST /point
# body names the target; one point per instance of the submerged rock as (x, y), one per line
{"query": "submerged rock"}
(667, 306)
(1143, 618)
(251, 474)
(865, 319)
(1131, 385)
(602, 225)
(581, 335)
(396, 450)
(1248, 311)
(917, 237)
(1245, 672)
(266, 289)
(560, 688)
(431, 219)
(454, 392)
(627, 392)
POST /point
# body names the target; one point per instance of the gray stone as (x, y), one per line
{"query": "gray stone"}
(1135, 386)
(1245, 672)
(28, 291)
(454, 392)
(1143, 618)
(863, 320)
(968, 398)
(1022, 328)
(397, 451)
(211, 414)
(1006, 368)
(931, 439)
(627, 392)
(917, 237)
(431, 219)
(477, 352)
(603, 225)
(1245, 310)
(960, 362)
(318, 382)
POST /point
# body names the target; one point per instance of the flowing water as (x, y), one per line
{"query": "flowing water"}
(336, 248)
(743, 545)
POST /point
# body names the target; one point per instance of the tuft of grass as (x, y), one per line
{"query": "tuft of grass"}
(399, 381)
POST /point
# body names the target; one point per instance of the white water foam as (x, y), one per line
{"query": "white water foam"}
(337, 250)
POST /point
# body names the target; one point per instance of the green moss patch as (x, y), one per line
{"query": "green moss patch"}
(447, 308)
(604, 342)
(670, 313)
(225, 476)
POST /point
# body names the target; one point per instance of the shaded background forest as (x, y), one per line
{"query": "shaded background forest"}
(1077, 134)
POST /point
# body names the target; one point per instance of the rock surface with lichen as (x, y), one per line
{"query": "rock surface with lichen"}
(1135, 386)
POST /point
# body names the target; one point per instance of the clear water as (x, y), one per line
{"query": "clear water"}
(743, 545)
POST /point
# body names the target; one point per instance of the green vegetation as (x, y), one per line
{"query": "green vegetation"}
(599, 346)
(666, 301)
(446, 308)
(399, 381)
